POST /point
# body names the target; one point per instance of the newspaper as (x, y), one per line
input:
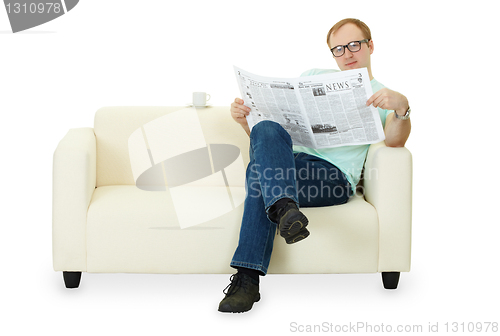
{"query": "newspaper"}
(317, 111)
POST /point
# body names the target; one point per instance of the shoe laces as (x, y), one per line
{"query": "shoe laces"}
(237, 282)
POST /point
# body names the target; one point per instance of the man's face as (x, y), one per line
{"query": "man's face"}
(351, 60)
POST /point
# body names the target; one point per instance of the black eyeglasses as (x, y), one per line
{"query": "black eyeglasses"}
(353, 46)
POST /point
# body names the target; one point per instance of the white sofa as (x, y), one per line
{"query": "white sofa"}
(104, 223)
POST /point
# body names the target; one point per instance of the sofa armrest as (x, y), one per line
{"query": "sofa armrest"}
(388, 187)
(74, 182)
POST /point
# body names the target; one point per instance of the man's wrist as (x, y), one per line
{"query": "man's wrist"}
(402, 114)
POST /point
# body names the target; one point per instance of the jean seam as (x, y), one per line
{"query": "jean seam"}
(265, 247)
(256, 267)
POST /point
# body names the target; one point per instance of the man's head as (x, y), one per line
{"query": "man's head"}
(344, 32)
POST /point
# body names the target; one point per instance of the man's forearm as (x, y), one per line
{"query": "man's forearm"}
(246, 128)
(397, 132)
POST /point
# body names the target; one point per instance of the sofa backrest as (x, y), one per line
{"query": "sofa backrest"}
(124, 133)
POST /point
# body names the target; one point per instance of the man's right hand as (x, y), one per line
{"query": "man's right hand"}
(239, 113)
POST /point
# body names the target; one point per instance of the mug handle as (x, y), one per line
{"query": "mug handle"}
(208, 97)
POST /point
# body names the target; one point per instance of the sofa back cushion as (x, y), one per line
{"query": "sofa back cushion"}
(133, 138)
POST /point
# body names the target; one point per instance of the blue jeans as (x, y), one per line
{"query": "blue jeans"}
(275, 172)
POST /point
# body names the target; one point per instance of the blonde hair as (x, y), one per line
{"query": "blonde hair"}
(360, 24)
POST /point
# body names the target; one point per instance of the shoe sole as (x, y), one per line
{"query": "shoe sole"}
(293, 229)
(302, 234)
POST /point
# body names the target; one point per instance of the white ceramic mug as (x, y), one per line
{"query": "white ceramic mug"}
(200, 98)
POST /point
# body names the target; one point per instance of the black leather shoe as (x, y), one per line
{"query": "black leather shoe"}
(292, 223)
(241, 294)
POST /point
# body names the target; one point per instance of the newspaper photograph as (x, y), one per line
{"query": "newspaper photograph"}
(317, 111)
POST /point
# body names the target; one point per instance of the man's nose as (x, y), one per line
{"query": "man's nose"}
(347, 53)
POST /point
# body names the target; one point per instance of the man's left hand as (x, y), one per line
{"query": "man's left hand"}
(389, 100)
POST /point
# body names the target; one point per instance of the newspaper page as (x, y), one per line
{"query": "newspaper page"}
(317, 111)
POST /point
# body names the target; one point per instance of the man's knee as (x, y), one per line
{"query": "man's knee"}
(268, 129)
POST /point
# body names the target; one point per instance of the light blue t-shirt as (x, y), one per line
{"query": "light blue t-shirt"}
(349, 159)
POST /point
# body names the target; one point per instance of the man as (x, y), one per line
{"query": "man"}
(273, 197)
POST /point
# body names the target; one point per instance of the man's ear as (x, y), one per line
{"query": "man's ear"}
(371, 46)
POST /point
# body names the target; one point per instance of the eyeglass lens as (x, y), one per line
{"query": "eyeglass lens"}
(352, 46)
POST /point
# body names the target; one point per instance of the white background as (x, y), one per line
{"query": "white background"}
(442, 55)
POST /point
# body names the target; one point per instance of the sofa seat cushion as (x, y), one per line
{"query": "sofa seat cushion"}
(135, 231)
(344, 239)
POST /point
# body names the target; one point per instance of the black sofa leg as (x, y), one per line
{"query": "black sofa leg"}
(390, 279)
(72, 279)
